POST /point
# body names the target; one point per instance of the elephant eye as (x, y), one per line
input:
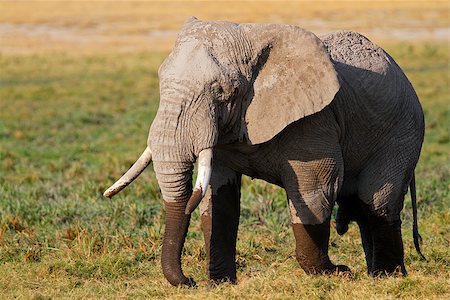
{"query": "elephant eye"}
(217, 90)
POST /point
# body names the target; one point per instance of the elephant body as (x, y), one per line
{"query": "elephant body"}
(330, 120)
(349, 139)
(351, 148)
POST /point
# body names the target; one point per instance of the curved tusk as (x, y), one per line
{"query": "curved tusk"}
(201, 184)
(135, 170)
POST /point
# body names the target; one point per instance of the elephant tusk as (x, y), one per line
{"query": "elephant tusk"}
(202, 182)
(135, 170)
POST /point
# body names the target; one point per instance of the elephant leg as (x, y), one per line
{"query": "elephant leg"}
(384, 237)
(348, 210)
(366, 238)
(312, 249)
(382, 201)
(220, 219)
(312, 193)
(351, 209)
(388, 254)
(343, 218)
(310, 214)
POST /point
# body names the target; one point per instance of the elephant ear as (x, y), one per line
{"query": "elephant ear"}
(293, 77)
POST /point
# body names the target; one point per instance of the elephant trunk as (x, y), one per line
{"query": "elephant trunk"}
(177, 223)
(175, 180)
(176, 137)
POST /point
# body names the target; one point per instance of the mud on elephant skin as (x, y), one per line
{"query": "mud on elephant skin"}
(330, 119)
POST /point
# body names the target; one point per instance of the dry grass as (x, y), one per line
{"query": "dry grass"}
(130, 26)
(71, 123)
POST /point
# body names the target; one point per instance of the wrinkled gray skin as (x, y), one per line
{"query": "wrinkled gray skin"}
(330, 119)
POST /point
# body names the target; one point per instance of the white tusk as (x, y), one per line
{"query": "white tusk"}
(203, 177)
(135, 170)
(204, 170)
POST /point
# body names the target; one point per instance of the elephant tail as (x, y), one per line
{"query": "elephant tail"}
(416, 236)
(135, 170)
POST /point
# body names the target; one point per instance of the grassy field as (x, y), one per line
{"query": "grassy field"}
(72, 121)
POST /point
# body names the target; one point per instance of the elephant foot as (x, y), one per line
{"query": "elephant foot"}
(189, 282)
(226, 275)
(213, 283)
(312, 249)
(399, 271)
(340, 270)
(331, 269)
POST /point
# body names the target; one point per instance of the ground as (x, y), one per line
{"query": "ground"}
(78, 92)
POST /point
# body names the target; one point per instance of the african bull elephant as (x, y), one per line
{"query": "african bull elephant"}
(330, 120)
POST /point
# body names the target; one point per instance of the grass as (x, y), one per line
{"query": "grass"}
(71, 123)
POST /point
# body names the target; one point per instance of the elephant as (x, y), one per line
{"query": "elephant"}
(331, 120)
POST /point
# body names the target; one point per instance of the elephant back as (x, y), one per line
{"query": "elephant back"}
(377, 105)
(373, 74)
(382, 92)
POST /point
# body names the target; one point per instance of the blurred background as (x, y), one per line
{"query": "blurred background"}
(73, 26)
(78, 92)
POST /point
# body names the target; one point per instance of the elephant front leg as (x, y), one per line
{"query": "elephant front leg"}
(220, 220)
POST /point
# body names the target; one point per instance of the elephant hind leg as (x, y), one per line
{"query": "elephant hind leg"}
(383, 245)
(388, 255)
(351, 208)
(343, 219)
(381, 202)
(348, 210)
(381, 237)
(366, 236)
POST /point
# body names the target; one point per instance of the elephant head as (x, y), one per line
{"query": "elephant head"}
(225, 83)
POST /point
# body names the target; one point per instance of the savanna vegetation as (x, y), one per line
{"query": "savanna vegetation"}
(72, 121)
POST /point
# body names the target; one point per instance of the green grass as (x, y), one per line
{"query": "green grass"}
(71, 124)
